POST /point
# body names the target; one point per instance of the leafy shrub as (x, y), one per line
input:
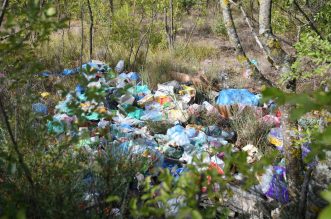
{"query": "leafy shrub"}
(219, 28)
(313, 57)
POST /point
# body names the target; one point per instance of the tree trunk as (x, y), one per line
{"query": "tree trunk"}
(276, 55)
(3, 10)
(82, 36)
(265, 17)
(167, 28)
(91, 28)
(172, 23)
(234, 39)
(232, 33)
(111, 5)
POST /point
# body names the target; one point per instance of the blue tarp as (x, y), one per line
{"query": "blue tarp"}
(237, 96)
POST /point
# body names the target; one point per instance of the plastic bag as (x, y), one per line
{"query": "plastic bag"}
(273, 184)
(137, 114)
(275, 137)
(237, 96)
(40, 108)
(177, 115)
(145, 100)
(153, 115)
(120, 66)
(177, 136)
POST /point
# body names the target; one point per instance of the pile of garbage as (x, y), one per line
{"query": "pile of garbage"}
(117, 106)
(111, 105)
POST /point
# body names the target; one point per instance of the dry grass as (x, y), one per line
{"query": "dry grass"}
(250, 129)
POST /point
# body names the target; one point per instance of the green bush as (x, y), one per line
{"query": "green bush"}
(219, 28)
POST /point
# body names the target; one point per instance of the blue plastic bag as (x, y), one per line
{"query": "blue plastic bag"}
(237, 96)
(40, 108)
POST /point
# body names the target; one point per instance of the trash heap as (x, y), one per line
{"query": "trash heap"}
(117, 108)
(112, 106)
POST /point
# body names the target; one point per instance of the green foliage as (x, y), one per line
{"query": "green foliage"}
(323, 19)
(282, 23)
(219, 28)
(314, 53)
(326, 213)
(187, 5)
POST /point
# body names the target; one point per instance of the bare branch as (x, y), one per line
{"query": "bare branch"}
(310, 21)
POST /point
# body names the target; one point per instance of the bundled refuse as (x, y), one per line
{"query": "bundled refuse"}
(115, 106)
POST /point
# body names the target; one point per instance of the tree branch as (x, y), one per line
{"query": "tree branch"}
(91, 27)
(16, 148)
(311, 23)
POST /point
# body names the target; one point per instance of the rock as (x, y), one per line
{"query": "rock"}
(250, 204)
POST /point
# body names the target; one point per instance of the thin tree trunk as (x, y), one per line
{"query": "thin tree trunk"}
(111, 5)
(277, 56)
(82, 36)
(132, 31)
(251, 4)
(272, 45)
(167, 28)
(232, 33)
(172, 24)
(265, 17)
(3, 10)
(91, 28)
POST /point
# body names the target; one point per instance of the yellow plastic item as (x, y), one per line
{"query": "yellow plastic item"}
(146, 99)
(85, 106)
(44, 94)
(275, 141)
(101, 109)
(188, 90)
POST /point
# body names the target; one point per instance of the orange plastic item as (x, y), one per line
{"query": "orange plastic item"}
(163, 99)
(214, 165)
